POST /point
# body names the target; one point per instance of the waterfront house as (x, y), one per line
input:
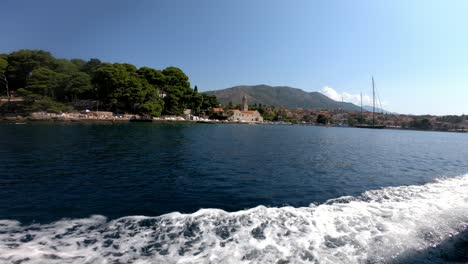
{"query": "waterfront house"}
(245, 116)
(217, 110)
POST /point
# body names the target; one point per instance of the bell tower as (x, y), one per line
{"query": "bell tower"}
(245, 106)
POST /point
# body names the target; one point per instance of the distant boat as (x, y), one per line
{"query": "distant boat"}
(373, 125)
(370, 126)
(141, 119)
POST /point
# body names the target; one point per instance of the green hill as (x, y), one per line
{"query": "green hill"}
(279, 96)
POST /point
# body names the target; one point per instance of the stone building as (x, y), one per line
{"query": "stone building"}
(245, 115)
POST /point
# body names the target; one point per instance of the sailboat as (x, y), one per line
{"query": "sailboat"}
(373, 125)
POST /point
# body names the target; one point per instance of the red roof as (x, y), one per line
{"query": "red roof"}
(218, 109)
(249, 112)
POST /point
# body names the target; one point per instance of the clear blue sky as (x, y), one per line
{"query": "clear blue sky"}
(417, 50)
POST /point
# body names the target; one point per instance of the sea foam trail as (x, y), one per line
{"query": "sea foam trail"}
(380, 226)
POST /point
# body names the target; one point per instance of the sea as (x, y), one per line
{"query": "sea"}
(225, 193)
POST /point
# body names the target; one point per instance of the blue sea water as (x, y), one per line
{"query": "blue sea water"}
(297, 194)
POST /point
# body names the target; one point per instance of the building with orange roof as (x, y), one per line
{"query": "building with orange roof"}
(217, 109)
(245, 115)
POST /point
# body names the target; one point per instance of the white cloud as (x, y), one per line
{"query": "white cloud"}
(347, 97)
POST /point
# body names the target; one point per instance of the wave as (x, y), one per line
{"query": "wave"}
(390, 225)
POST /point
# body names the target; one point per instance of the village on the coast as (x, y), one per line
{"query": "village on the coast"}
(36, 86)
(243, 115)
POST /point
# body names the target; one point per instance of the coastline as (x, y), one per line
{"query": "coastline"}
(109, 117)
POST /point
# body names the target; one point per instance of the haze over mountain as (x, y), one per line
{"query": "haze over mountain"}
(377, 109)
(280, 96)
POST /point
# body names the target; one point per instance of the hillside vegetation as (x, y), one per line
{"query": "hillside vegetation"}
(56, 85)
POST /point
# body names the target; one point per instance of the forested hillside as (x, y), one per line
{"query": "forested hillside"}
(51, 84)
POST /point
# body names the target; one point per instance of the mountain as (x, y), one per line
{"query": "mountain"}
(377, 109)
(279, 96)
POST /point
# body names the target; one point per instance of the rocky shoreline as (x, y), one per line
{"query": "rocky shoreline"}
(104, 117)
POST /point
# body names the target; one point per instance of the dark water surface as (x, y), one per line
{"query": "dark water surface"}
(49, 171)
(110, 193)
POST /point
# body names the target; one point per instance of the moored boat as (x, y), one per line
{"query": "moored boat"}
(373, 125)
(141, 119)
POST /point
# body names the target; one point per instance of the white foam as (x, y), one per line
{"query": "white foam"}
(378, 227)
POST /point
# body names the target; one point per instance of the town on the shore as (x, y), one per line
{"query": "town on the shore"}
(34, 85)
(233, 115)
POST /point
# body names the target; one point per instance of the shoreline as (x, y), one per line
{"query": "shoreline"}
(109, 117)
(53, 119)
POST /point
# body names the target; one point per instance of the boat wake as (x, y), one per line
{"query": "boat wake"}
(402, 224)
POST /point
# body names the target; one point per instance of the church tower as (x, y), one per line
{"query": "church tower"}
(245, 106)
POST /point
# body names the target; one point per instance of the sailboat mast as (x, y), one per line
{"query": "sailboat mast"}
(373, 102)
(342, 104)
(361, 107)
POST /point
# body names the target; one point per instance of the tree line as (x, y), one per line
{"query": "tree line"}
(55, 85)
